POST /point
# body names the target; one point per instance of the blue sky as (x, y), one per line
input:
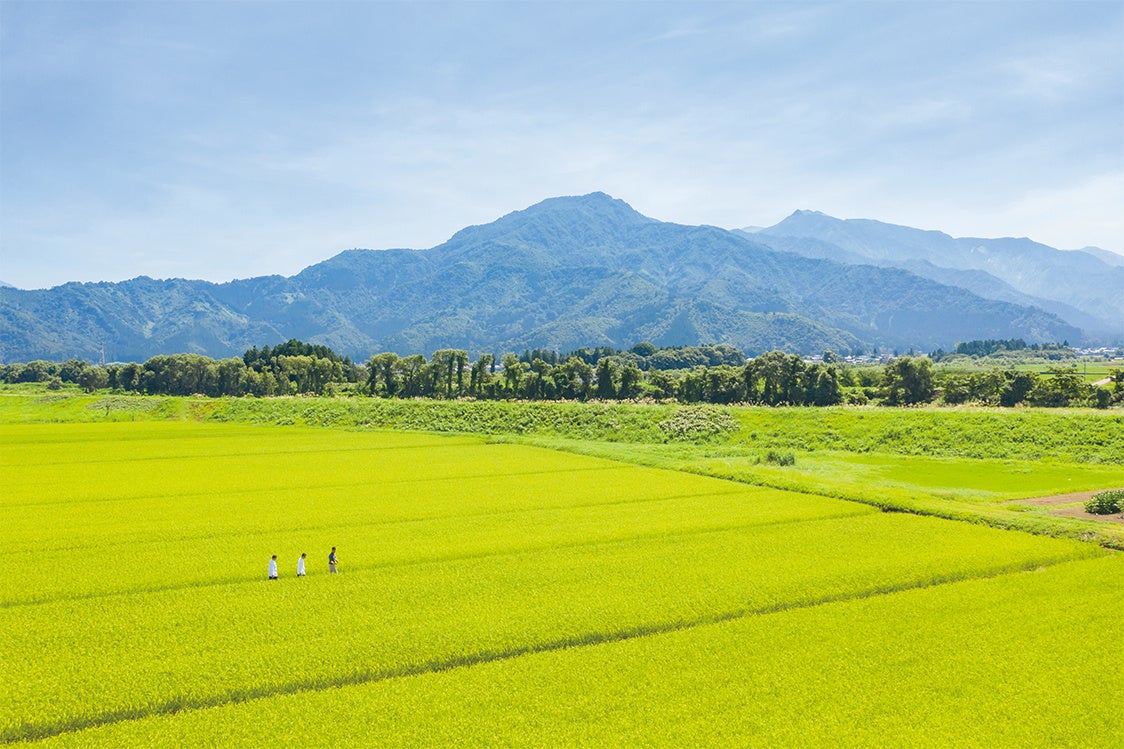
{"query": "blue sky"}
(228, 139)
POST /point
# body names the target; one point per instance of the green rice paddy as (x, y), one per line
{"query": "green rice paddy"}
(502, 593)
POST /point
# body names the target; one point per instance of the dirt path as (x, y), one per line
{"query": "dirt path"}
(1071, 512)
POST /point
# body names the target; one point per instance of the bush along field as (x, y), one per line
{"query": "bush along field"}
(1106, 503)
(493, 592)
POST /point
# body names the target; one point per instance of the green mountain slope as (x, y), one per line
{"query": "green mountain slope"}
(564, 273)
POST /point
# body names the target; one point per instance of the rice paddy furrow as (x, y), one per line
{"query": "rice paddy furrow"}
(440, 558)
(249, 532)
(143, 599)
(319, 486)
(435, 666)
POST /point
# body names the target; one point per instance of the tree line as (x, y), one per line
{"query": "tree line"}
(291, 368)
(991, 347)
(773, 379)
(702, 374)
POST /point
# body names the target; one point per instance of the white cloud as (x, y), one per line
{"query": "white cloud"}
(215, 155)
(1069, 217)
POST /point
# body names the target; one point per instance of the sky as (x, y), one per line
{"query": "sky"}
(221, 140)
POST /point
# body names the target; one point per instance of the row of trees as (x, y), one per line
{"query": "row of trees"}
(289, 369)
(774, 378)
(1007, 348)
(1055, 388)
(647, 356)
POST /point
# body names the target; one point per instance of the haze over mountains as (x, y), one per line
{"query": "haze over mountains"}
(1084, 287)
(589, 270)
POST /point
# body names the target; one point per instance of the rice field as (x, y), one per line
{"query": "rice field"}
(496, 593)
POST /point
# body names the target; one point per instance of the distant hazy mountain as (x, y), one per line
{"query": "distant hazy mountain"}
(1111, 258)
(1084, 287)
(564, 273)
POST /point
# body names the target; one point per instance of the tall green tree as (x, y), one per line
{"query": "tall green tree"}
(480, 376)
(513, 373)
(664, 384)
(781, 376)
(1015, 387)
(229, 374)
(724, 384)
(413, 374)
(383, 367)
(606, 379)
(539, 383)
(1060, 387)
(93, 378)
(908, 381)
(631, 380)
(574, 378)
(822, 386)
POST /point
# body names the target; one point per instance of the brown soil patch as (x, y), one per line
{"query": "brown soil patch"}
(1079, 512)
(1071, 512)
(1059, 499)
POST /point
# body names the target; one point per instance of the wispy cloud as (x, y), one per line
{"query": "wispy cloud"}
(216, 140)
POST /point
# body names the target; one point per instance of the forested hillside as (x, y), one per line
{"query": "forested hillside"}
(565, 273)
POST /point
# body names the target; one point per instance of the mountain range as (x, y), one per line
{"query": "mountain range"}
(589, 270)
(1083, 287)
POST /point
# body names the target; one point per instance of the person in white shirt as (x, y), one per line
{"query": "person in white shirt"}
(273, 567)
(300, 566)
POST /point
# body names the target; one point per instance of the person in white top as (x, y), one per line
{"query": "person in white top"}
(300, 566)
(273, 567)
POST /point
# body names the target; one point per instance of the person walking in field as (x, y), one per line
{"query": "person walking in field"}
(332, 561)
(300, 565)
(273, 567)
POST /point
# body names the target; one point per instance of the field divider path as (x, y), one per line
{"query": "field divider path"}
(546, 545)
(244, 454)
(368, 482)
(30, 732)
(390, 521)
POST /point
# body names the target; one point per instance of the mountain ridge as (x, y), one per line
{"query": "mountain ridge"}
(1059, 281)
(563, 273)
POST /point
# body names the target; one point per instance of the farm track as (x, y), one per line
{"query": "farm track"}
(545, 546)
(1060, 501)
(32, 732)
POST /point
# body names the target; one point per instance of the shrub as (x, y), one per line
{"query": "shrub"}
(697, 423)
(780, 458)
(1106, 503)
(1102, 398)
